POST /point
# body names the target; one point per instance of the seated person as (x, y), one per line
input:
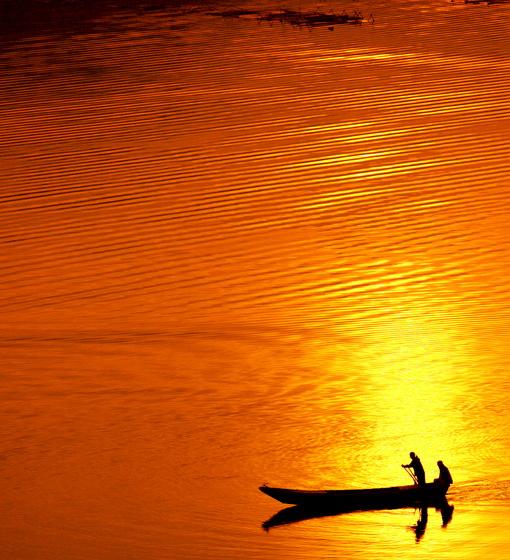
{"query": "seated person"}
(444, 478)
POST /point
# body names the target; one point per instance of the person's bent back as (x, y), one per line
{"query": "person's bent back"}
(445, 478)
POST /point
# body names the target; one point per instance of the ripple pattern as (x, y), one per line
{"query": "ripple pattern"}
(205, 167)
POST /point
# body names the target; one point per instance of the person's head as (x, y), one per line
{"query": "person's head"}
(412, 454)
(440, 463)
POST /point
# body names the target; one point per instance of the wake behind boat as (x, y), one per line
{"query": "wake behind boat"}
(390, 497)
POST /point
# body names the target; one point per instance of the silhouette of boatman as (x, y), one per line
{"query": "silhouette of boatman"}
(417, 467)
(444, 478)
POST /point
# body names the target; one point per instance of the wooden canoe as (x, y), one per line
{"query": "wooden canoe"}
(390, 497)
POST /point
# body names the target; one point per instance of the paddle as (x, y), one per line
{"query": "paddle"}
(410, 473)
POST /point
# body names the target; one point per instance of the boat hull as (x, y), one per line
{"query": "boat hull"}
(390, 497)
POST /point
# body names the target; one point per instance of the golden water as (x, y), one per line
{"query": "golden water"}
(238, 253)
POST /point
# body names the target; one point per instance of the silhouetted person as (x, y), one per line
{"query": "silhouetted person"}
(417, 467)
(444, 478)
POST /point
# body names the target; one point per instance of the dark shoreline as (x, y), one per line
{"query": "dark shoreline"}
(20, 18)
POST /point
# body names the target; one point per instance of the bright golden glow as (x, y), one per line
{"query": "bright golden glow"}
(413, 379)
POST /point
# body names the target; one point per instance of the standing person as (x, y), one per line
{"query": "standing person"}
(417, 467)
(445, 478)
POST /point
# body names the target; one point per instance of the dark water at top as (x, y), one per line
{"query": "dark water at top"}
(239, 252)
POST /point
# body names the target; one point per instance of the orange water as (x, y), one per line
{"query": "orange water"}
(238, 253)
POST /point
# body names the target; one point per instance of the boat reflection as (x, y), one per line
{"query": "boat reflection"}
(294, 514)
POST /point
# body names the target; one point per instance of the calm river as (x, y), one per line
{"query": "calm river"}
(238, 251)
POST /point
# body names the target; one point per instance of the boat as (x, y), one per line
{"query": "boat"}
(380, 498)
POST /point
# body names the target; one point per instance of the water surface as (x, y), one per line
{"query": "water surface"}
(238, 253)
